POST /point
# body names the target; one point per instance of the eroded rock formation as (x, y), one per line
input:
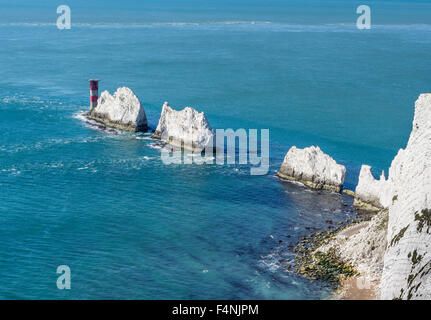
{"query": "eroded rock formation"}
(371, 194)
(186, 129)
(313, 168)
(122, 110)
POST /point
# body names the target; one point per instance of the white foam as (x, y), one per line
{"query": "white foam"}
(155, 146)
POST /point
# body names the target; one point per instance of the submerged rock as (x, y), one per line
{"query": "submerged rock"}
(313, 168)
(186, 129)
(122, 110)
(350, 193)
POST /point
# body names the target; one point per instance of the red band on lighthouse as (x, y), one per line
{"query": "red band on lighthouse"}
(94, 95)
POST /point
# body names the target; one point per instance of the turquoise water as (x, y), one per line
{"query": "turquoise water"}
(129, 226)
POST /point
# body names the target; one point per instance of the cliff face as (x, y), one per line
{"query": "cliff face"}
(122, 110)
(187, 128)
(313, 168)
(407, 262)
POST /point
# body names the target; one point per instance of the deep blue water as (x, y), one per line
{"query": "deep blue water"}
(129, 226)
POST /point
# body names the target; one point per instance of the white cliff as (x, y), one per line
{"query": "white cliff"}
(313, 168)
(187, 128)
(407, 262)
(122, 110)
(371, 193)
(399, 254)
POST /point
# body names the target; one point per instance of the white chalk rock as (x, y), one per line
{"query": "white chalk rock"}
(375, 193)
(122, 110)
(407, 262)
(313, 168)
(187, 128)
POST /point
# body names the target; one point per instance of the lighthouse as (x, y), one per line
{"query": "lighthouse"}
(94, 93)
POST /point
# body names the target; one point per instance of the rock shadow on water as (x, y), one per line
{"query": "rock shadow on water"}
(310, 200)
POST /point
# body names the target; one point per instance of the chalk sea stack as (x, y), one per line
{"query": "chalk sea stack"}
(313, 168)
(186, 129)
(122, 110)
(371, 194)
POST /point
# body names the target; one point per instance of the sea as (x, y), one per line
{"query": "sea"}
(129, 226)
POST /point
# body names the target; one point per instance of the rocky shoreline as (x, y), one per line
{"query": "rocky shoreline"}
(105, 121)
(307, 181)
(350, 257)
